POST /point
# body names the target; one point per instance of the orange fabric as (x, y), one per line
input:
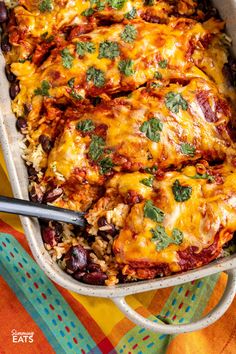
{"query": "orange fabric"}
(14, 316)
(219, 338)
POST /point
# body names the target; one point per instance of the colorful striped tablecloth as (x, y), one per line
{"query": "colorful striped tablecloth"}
(38, 316)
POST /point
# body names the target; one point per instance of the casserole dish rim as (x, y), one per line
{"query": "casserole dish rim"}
(9, 139)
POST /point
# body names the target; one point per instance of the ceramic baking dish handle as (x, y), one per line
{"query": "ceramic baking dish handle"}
(211, 317)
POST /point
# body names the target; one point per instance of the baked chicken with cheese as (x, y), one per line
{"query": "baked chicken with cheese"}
(128, 114)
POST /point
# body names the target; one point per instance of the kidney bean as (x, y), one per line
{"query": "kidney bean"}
(5, 45)
(133, 197)
(14, 89)
(36, 195)
(93, 267)
(58, 227)
(78, 275)
(49, 236)
(52, 195)
(33, 175)
(45, 142)
(94, 278)
(21, 123)
(10, 76)
(109, 229)
(76, 258)
(102, 221)
(3, 12)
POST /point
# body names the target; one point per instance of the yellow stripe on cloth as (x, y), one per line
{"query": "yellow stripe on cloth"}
(101, 309)
(5, 190)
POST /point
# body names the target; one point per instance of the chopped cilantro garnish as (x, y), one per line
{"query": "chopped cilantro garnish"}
(131, 14)
(96, 147)
(106, 165)
(86, 125)
(175, 101)
(148, 2)
(152, 129)
(43, 90)
(67, 58)
(83, 47)
(45, 6)
(181, 193)
(152, 212)
(108, 49)
(116, 4)
(100, 5)
(157, 75)
(126, 67)
(96, 75)
(156, 85)
(129, 34)
(210, 178)
(88, 12)
(71, 82)
(162, 239)
(76, 95)
(147, 181)
(151, 170)
(163, 64)
(47, 38)
(188, 149)
(177, 235)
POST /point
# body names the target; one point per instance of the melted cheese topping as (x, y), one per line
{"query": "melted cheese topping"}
(166, 42)
(173, 65)
(130, 148)
(209, 210)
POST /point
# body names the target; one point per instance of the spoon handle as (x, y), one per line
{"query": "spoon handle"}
(27, 208)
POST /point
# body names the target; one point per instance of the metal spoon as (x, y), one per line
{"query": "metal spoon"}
(26, 208)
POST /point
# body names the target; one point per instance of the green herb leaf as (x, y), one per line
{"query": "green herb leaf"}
(106, 165)
(131, 14)
(151, 170)
(163, 64)
(162, 239)
(43, 90)
(45, 6)
(67, 58)
(156, 85)
(126, 67)
(157, 75)
(151, 129)
(96, 75)
(147, 181)
(76, 95)
(148, 2)
(116, 4)
(129, 34)
(83, 47)
(100, 5)
(108, 49)
(86, 125)
(45, 37)
(96, 147)
(177, 236)
(152, 212)
(88, 12)
(188, 149)
(71, 82)
(174, 101)
(210, 178)
(181, 193)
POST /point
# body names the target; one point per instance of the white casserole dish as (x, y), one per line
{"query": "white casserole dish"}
(9, 139)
